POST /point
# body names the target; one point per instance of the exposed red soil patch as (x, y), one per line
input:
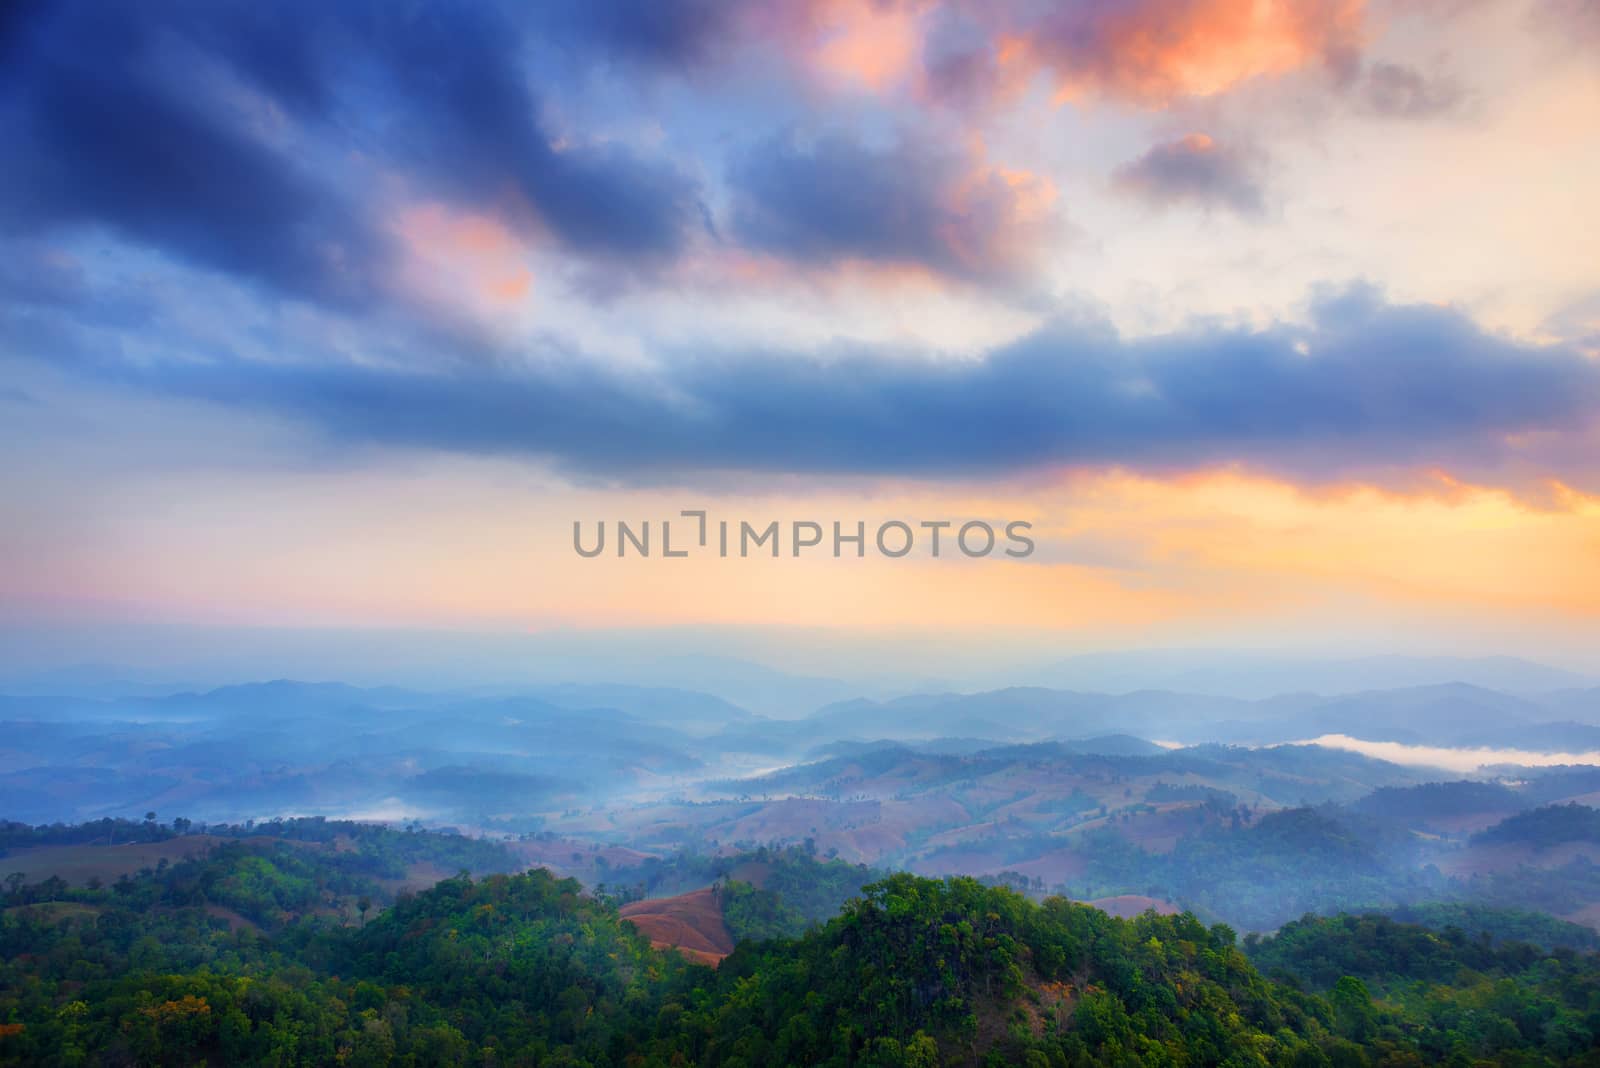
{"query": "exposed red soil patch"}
(690, 923)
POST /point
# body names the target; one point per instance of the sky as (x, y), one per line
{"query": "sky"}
(1278, 322)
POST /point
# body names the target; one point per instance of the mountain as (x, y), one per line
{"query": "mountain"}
(1023, 714)
(1443, 714)
(293, 747)
(684, 710)
(1565, 737)
(1227, 673)
(1582, 705)
(92, 681)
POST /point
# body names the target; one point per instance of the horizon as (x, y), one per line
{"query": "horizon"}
(875, 665)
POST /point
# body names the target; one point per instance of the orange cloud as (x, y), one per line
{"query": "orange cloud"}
(1151, 52)
(1147, 52)
(872, 44)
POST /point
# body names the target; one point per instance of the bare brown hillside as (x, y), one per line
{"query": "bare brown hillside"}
(691, 923)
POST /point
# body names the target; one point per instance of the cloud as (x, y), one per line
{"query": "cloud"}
(671, 34)
(1195, 170)
(1154, 52)
(247, 138)
(1462, 760)
(836, 199)
(870, 43)
(1145, 52)
(104, 132)
(1577, 323)
(1394, 90)
(1367, 389)
(1576, 22)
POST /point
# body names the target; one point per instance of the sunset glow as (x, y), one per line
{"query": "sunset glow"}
(1273, 319)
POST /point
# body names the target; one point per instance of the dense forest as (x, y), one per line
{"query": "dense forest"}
(241, 956)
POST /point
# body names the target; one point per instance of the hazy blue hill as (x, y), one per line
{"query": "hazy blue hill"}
(852, 748)
(91, 681)
(281, 696)
(1567, 737)
(48, 794)
(1581, 704)
(1543, 827)
(762, 689)
(679, 709)
(774, 738)
(1300, 774)
(485, 789)
(1438, 714)
(288, 746)
(1022, 714)
(1249, 675)
(956, 746)
(1434, 715)
(55, 709)
(1543, 785)
(533, 728)
(1289, 775)
(1439, 800)
(1112, 745)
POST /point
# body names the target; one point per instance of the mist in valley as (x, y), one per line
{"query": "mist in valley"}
(1246, 809)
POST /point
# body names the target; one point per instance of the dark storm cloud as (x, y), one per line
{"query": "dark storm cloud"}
(1194, 170)
(664, 33)
(108, 133)
(472, 122)
(130, 117)
(1367, 386)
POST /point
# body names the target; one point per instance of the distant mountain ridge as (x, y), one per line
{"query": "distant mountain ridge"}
(285, 746)
(1447, 714)
(1255, 676)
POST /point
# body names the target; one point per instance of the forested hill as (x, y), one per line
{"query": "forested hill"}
(530, 969)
